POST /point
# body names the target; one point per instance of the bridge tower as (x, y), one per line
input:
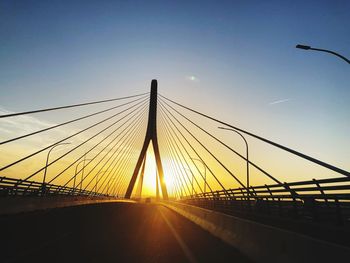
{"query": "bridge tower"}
(151, 135)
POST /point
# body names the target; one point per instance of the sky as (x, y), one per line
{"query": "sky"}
(231, 59)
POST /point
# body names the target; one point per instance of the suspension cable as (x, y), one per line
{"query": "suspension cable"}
(201, 159)
(122, 166)
(222, 143)
(210, 170)
(137, 112)
(304, 156)
(170, 162)
(173, 163)
(109, 126)
(129, 133)
(64, 139)
(128, 142)
(177, 149)
(127, 159)
(68, 122)
(68, 106)
(204, 148)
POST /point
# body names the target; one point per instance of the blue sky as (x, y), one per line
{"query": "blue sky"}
(232, 59)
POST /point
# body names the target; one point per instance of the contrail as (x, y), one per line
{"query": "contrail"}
(279, 101)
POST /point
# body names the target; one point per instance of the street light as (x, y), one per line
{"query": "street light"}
(191, 180)
(47, 162)
(76, 171)
(322, 50)
(111, 180)
(178, 189)
(247, 151)
(97, 179)
(205, 172)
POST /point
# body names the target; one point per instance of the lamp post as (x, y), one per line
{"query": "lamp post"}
(304, 47)
(192, 182)
(191, 179)
(247, 151)
(47, 162)
(112, 178)
(192, 188)
(76, 170)
(178, 189)
(97, 179)
(205, 172)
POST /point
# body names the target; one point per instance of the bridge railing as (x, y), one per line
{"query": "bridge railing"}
(18, 187)
(323, 200)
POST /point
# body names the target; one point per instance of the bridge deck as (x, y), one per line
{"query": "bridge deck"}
(109, 232)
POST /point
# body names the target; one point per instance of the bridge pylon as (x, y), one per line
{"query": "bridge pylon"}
(151, 135)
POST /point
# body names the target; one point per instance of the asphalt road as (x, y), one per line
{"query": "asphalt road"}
(110, 232)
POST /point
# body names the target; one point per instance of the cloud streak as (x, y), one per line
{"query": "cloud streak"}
(21, 125)
(278, 101)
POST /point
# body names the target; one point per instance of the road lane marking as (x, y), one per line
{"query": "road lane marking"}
(178, 238)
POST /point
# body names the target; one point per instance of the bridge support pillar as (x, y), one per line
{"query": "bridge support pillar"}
(140, 184)
(151, 135)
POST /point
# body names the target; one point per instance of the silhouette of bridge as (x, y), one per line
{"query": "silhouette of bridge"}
(105, 158)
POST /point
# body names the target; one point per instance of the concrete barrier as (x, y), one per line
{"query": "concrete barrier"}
(13, 205)
(262, 243)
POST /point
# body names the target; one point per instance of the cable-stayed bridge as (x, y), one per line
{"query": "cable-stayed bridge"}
(100, 153)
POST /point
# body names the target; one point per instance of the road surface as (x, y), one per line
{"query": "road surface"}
(109, 232)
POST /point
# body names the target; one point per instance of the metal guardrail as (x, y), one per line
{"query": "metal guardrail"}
(18, 187)
(321, 201)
